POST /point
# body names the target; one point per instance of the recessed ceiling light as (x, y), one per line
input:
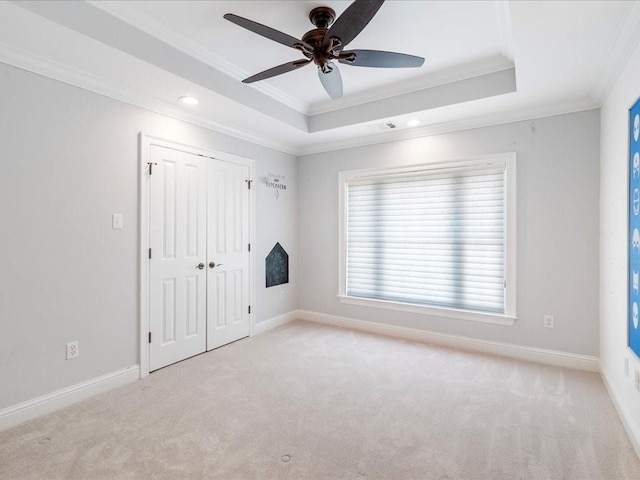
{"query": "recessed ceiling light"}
(189, 100)
(414, 123)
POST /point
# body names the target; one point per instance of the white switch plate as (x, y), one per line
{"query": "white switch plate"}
(116, 221)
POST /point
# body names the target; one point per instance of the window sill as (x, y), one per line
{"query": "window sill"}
(494, 318)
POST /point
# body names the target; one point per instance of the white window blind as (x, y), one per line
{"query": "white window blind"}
(430, 237)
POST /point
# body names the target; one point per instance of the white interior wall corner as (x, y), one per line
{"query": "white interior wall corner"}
(614, 138)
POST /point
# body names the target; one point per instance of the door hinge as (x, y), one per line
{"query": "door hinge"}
(149, 253)
(149, 337)
(505, 284)
(249, 308)
(249, 247)
(151, 167)
(249, 184)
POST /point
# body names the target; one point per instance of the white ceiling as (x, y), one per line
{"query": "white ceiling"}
(486, 62)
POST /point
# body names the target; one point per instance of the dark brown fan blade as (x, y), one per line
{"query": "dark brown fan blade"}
(331, 81)
(352, 21)
(380, 59)
(279, 70)
(267, 32)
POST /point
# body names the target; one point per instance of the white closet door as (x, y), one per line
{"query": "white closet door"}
(228, 252)
(177, 268)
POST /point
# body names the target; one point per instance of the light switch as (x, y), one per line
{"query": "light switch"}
(116, 221)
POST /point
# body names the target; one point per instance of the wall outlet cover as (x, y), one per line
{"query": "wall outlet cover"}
(626, 367)
(72, 350)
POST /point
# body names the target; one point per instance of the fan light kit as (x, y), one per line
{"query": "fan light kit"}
(326, 43)
(189, 100)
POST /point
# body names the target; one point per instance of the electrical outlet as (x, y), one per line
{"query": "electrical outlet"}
(282, 295)
(72, 350)
(626, 367)
(548, 321)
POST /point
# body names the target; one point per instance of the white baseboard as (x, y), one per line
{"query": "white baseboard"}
(632, 431)
(548, 357)
(274, 322)
(16, 414)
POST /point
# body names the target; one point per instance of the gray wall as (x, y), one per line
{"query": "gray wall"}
(68, 160)
(613, 244)
(557, 205)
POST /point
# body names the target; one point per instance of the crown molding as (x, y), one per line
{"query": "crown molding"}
(33, 63)
(482, 121)
(426, 99)
(194, 49)
(434, 79)
(72, 76)
(63, 73)
(624, 44)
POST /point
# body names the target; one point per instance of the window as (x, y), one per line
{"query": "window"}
(436, 239)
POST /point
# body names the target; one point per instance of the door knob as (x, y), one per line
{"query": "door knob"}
(213, 264)
(200, 266)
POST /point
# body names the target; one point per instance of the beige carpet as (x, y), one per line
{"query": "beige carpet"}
(307, 401)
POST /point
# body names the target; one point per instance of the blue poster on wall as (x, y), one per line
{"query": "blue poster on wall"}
(634, 227)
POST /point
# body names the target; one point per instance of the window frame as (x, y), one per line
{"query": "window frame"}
(509, 316)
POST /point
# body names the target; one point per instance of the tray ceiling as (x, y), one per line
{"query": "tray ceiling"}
(486, 62)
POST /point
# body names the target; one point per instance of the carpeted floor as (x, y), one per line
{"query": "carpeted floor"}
(307, 401)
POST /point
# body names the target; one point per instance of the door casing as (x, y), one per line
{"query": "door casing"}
(144, 143)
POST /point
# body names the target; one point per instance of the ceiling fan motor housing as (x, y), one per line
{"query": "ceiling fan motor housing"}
(322, 18)
(319, 54)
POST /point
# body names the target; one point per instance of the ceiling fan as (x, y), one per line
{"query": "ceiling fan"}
(325, 44)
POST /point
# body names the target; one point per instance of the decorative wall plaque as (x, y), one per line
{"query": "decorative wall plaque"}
(276, 182)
